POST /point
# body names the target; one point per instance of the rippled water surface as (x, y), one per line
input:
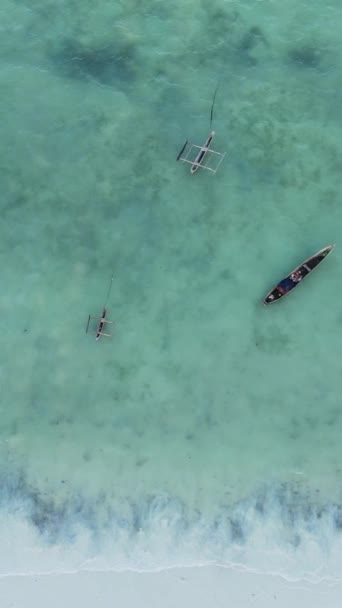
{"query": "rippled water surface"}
(209, 427)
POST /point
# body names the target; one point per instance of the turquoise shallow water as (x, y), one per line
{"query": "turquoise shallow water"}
(208, 428)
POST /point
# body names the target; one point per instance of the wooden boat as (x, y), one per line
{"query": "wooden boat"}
(203, 151)
(297, 275)
(196, 155)
(100, 325)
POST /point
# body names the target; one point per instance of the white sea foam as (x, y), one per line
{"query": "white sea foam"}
(276, 532)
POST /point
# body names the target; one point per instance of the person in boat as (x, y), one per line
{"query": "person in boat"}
(296, 276)
(286, 284)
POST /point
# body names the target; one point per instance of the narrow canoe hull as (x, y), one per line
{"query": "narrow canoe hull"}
(101, 324)
(202, 153)
(296, 276)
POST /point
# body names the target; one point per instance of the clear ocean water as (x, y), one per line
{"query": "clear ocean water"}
(208, 429)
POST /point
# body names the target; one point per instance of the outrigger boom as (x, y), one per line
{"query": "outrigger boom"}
(201, 153)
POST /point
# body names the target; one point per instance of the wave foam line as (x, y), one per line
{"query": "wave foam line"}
(279, 530)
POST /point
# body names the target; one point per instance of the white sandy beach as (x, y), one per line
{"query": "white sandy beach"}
(212, 587)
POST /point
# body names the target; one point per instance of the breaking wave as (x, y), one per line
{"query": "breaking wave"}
(279, 529)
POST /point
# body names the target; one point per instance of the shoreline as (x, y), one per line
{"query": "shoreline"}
(200, 587)
(279, 531)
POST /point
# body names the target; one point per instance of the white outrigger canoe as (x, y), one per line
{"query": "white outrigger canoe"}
(200, 154)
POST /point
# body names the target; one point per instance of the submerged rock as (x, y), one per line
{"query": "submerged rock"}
(105, 63)
(250, 44)
(307, 56)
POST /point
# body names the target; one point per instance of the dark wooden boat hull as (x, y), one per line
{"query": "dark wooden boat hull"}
(297, 275)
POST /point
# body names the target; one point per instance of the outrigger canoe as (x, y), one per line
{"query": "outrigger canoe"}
(297, 275)
(201, 154)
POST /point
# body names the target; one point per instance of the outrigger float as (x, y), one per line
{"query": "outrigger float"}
(196, 155)
(297, 275)
(102, 321)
